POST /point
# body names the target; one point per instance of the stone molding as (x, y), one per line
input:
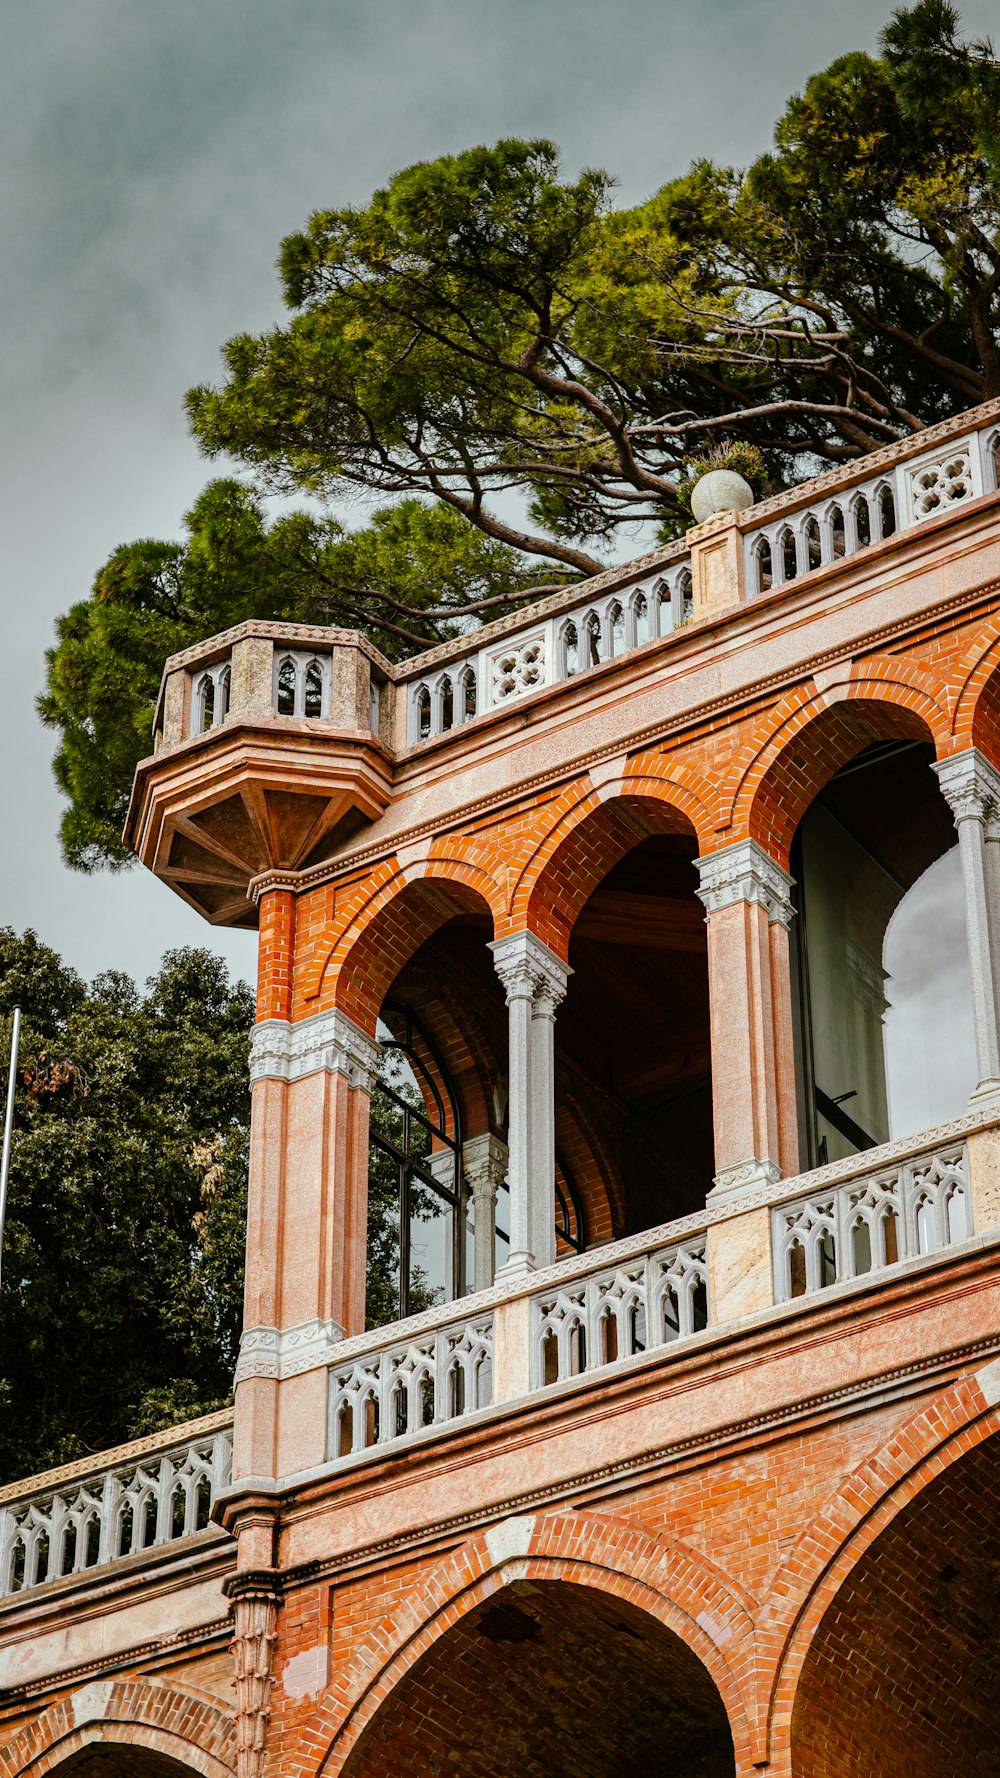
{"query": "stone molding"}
(971, 788)
(745, 872)
(280, 1352)
(868, 979)
(530, 971)
(328, 1041)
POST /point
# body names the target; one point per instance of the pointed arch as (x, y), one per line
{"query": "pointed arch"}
(848, 1523)
(799, 745)
(130, 1712)
(674, 1584)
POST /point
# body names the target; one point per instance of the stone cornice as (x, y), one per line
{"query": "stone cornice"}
(744, 872)
(330, 1041)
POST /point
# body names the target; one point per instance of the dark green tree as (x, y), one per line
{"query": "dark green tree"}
(525, 369)
(121, 1300)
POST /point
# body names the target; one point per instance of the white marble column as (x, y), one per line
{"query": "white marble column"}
(484, 1164)
(534, 980)
(972, 789)
(747, 898)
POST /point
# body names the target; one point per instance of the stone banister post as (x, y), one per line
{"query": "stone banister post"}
(484, 1164)
(306, 1233)
(534, 980)
(747, 898)
(971, 788)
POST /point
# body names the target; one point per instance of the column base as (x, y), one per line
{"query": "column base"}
(517, 1265)
(986, 1093)
(744, 1176)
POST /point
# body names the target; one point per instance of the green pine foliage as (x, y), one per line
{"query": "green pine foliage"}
(519, 370)
(122, 1277)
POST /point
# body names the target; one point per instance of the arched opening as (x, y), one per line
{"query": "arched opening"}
(869, 909)
(112, 1759)
(552, 1680)
(633, 1100)
(903, 1673)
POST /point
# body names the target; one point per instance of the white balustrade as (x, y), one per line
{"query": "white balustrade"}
(301, 683)
(100, 1516)
(895, 498)
(395, 1388)
(871, 1220)
(619, 1312)
(549, 649)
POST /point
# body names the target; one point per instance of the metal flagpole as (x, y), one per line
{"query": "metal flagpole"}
(8, 1123)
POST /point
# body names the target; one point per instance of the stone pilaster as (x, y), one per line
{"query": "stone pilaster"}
(747, 898)
(306, 1233)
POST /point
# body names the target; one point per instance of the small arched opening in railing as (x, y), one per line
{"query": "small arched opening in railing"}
(640, 618)
(616, 630)
(285, 700)
(787, 555)
(813, 543)
(838, 533)
(206, 703)
(862, 520)
(885, 505)
(446, 704)
(926, 1224)
(467, 695)
(313, 698)
(422, 706)
(763, 570)
(957, 1214)
(592, 640)
(685, 594)
(569, 650)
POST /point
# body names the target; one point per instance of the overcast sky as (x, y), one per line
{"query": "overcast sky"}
(155, 152)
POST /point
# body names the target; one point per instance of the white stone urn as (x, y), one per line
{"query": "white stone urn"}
(721, 490)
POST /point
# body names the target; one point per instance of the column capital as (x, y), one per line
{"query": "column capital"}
(328, 1041)
(485, 1160)
(745, 872)
(971, 787)
(529, 970)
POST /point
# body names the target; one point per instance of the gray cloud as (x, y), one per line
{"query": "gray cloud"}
(154, 155)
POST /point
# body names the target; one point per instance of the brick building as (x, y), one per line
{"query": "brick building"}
(621, 1367)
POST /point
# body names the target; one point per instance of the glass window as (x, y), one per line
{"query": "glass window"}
(416, 1199)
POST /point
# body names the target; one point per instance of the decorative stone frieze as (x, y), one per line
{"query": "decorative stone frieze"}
(288, 1351)
(280, 1050)
(744, 872)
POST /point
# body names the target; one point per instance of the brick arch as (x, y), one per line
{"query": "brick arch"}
(131, 1712)
(850, 1521)
(579, 850)
(975, 687)
(796, 749)
(673, 1584)
(367, 949)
